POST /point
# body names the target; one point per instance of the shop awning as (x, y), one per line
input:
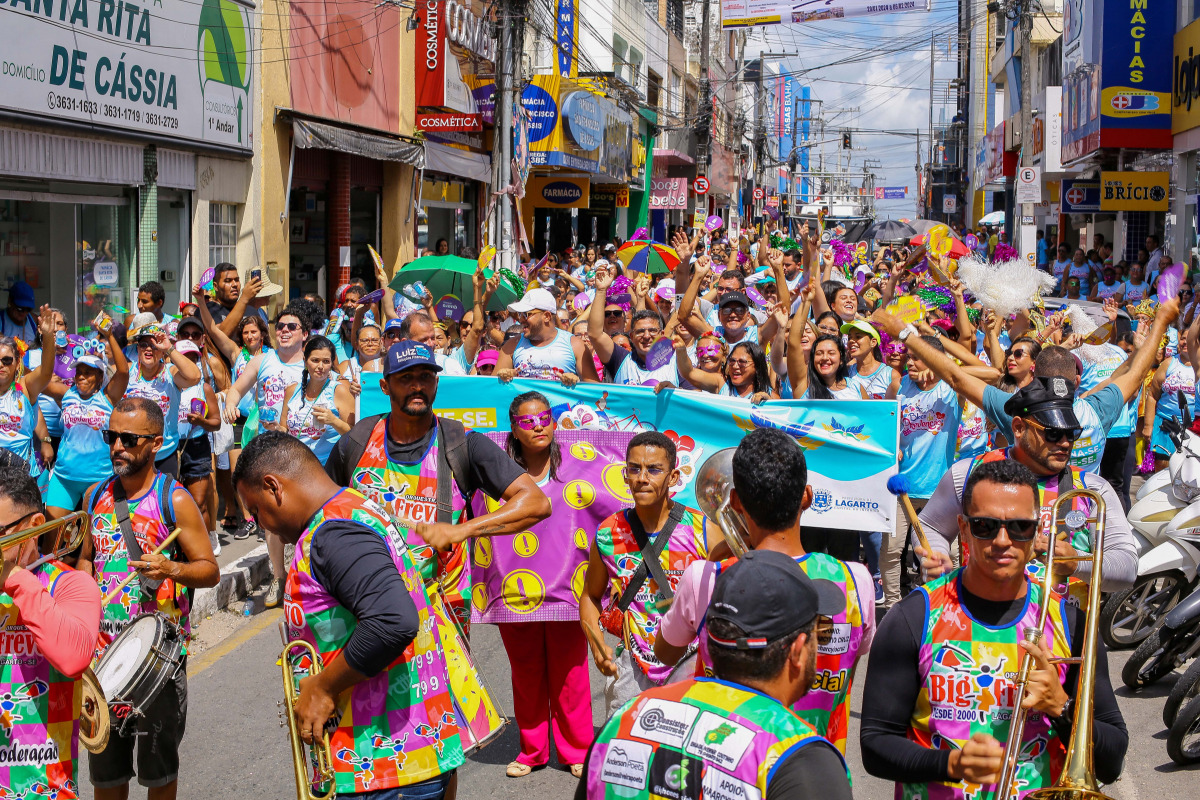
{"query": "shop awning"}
(308, 132)
(672, 157)
(451, 160)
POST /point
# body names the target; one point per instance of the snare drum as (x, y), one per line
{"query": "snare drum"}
(479, 721)
(137, 665)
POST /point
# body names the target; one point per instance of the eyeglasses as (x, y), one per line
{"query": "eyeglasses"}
(1056, 435)
(368, 342)
(647, 332)
(8, 361)
(740, 362)
(287, 326)
(736, 309)
(988, 528)
(613, 313)
(127, 440)
(192, 335)
(529, 422)
(653, 472)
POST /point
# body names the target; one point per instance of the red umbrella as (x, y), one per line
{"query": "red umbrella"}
(957, 248)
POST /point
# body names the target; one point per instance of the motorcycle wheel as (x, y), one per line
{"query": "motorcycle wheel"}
(1187, 687)
(1183, 739)
(1128, 616)
(1156, 657)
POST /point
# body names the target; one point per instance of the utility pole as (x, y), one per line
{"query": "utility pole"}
(512, 28)
(704, 129)
(1026, 239)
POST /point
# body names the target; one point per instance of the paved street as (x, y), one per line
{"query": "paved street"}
(235, 749)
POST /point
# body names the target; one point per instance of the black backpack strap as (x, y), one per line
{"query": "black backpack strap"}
(133, 547)
(451, 465)
(651, 551)
(356, 444)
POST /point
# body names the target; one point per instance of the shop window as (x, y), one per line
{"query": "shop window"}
(222, 233)
(25, 245)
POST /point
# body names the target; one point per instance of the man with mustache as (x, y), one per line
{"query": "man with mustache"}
(423, 469)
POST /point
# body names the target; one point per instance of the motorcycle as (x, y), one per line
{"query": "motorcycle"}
(1172, 643)
(1166, 522)
(1183, 737)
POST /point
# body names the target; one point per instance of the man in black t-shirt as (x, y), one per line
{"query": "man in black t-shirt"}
(394, 460)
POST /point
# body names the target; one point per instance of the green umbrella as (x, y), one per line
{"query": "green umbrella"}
(443, 275)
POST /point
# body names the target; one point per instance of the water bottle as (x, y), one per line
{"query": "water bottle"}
(248, 607)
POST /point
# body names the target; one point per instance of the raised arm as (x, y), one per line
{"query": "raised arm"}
(705, 381)
(1129, 376)
(36, 381)
(797, 365)
(966, 331)
(602, 343)
(249, 292)
(482, 290)
(216, 334)
(939, 363)
(991, 338)
(117, 384)
(688, 303)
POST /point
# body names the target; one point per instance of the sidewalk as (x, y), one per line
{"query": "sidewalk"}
(244, 567)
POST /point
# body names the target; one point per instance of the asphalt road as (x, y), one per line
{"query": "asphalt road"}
(235, 749)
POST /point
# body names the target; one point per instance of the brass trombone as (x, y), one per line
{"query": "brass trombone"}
(714, 482)
(321, 751)
(1078, 778)
(79, 524)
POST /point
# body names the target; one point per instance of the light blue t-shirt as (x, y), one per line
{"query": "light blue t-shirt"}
(547, 362)
(876, 384)
(1098, 371)
(82, 453)
(18, 418)
(161, 390)
(300, 423)
(1097, 414)
(929, 423)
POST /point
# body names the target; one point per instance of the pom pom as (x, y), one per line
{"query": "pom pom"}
(898, 484)
(1005, 287)
(1005, 252)
(1081, 323)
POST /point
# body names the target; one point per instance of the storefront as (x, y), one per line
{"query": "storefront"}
(100, 147)
(1185, 127)
(580, 140)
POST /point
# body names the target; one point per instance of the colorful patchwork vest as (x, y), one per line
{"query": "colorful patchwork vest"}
(399, 727)
(826, 705)
(697, 738)
(111, 559)
(968, 686)
(409, 492)
(622, 556)
(1048, 490)
(39, 729)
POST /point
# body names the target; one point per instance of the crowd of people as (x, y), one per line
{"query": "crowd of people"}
(220, 421)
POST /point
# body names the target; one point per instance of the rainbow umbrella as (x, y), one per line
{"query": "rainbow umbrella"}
(651, 258)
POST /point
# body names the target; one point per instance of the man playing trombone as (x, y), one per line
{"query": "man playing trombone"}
(51, 615)
(942, 681)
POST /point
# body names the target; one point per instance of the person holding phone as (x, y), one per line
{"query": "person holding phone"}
(319, 409)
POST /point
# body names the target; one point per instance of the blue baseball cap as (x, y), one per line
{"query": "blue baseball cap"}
(393, 325)
(406, 354)
(21, 295)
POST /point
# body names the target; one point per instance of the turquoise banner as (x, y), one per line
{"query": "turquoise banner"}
(851, 445)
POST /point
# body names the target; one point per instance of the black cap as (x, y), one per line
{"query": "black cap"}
(189, 320)
(735, 296)
(1047, 401)
(769, 596)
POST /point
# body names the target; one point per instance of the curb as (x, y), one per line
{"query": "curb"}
(237, 581)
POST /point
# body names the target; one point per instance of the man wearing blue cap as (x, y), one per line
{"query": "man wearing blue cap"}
(19, 321)
(424, 469)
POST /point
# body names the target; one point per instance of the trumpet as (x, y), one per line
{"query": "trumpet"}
(713, 485)
(321, 751)
(77, 525)
(1078, 778)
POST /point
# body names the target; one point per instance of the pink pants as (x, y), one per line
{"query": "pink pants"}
(551, 688)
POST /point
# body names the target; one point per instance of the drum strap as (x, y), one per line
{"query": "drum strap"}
(132, 545)
(650, 556)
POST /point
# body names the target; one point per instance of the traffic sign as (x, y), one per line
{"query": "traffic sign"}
(700, 185)
(949, 204)
(759, 193)
(1029, 185)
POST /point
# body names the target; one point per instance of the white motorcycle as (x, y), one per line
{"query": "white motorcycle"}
(1166, 522)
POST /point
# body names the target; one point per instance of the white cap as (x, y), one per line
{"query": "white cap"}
(143, 323)
(187, 346)
(665, 289)
(535, 300)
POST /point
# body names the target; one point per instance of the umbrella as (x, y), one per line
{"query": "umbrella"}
(923, 225)
(994, 218)
(651, 258)
(889, 230)
(957, 248)
(443, 275)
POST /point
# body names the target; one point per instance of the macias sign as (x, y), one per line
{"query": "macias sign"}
(128, 65)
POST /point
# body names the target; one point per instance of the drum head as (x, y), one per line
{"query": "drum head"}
(124, 658)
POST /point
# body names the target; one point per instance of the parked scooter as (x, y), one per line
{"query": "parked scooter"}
(1166, 521)
(1170, 644)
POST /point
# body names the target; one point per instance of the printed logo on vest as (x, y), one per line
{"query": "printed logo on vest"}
(719, 741)
(719, 785)
(674, 776)
(625, 763)
(665, 722)
(16, 754)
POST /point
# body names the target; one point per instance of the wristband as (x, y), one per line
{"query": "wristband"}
(907, 331)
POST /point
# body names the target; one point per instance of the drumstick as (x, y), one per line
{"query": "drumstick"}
(898, 485)
(157, 551)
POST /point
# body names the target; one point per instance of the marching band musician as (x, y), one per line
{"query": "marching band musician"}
(423, 469)
(136, 510)
(767, 466)
(941, 681)
(51, 616)
(354, 593)
(734, 735)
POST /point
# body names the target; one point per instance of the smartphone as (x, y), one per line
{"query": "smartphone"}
(199, 407)
(60, 338)
(256, 274)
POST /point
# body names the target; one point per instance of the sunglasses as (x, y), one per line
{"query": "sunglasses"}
(529, 422)
(988, 528)
(1056, 435)
(287, 326)
(26, 309)
(8, 361)
(614, 313)
(653, 472)
(127, 440)
(192, 335)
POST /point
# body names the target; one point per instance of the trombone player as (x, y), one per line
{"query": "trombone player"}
(51, 618)
(941, 688)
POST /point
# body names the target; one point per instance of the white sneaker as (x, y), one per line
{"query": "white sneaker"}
(215, 541)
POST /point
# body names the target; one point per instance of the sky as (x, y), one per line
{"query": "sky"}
(887, 80)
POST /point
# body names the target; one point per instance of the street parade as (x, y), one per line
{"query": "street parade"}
(583, 399)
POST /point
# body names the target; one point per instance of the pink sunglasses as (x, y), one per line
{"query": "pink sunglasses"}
(529, 422)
